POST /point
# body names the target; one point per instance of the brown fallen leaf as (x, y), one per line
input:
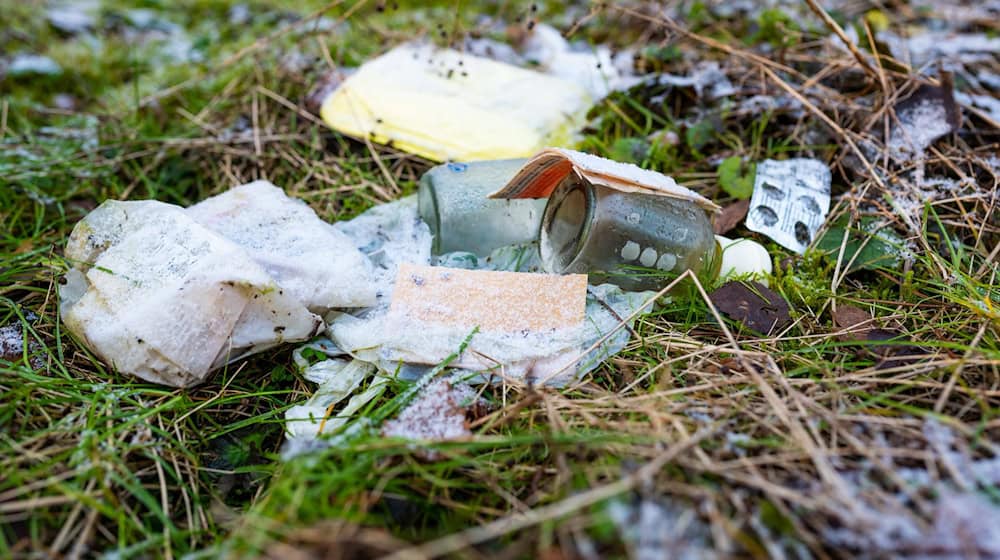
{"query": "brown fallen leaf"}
(890, 347)
(923, 117)
(438, 413)
(327, 84)
(333, 540)
(942, 94)
(857, 322)
(755, 305)
(731, 216)
(901, 353)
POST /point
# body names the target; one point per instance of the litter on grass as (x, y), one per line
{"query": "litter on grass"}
(493, 301)
(446, 105)
(490, 101)
(453, 202)
(314, 262)
(790, 201)
(378, 336)
(595, 68)
(170, 294)
(544, 172)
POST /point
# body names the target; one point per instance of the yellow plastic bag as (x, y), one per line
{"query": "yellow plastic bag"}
(445, 105)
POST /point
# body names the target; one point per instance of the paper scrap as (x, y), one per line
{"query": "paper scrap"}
(316, 263)
(169, 294)
(159, 296)
(490, 300)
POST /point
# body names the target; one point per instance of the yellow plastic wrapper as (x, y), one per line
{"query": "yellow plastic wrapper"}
(445, 105)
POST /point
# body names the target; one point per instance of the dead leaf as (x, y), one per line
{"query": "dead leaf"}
(438, 413)
(943, 94)
(902, 353)
(731, 216)
(334, 540)
(923, 117)
(327, 84)
(857, 322)
(755, 305)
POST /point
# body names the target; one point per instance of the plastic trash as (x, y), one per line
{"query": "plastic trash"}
(316, 263)
(790, 201)
(453, 201)
(743, 258)
(392, 237)
(446, 105)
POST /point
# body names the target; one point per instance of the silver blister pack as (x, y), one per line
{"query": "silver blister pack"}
(790, 201)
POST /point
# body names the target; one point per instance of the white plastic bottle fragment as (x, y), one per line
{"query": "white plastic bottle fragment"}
(741, 257)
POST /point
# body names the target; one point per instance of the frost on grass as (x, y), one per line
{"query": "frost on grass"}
(29, 64)
(661, 529)
(960, 523)
(437, 414)
(12, 346)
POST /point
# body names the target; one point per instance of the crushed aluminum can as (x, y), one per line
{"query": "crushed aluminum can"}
(790, 201)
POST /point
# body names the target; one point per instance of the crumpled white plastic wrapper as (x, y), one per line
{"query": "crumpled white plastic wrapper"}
(389, 235)
(337, 379)
(371, 337)
(156, 294)
(596, 69)
(392, 234)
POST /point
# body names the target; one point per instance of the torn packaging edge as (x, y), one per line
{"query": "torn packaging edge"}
(545, 171)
